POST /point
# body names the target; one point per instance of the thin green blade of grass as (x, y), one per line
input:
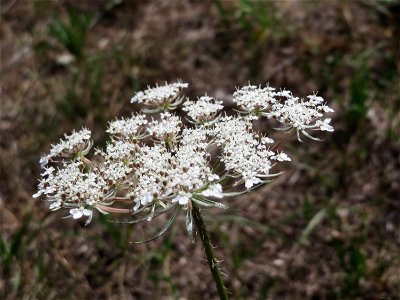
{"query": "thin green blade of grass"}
(3, 248)
(314, 222)
(17, 240)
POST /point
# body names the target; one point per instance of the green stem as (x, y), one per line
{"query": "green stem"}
(208, 248)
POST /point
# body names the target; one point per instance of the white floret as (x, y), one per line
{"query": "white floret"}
(205, 108)
(159, 93)
(214, 190)
(127, 128)
(77, 141)
(252, 98)
(169, 126)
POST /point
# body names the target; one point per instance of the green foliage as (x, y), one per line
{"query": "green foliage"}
(16, 247)
(94, 74)
(254, 16)
(353, 261)
(258, 23)
(358, 95)
(14, 251)
(70, 106)
(261, 14)
(72, 34)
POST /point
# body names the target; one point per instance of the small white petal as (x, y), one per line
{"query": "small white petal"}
(267, 140)
(282, 157)
(252, 181)
(76, 213)
(87, 212)
(146, 199)
(325, 126)
(137, 205)
(44, 161)
(248, 184)
(37, 195)
(183, 200)
(213, 191)
(55, 205)
(213, 177)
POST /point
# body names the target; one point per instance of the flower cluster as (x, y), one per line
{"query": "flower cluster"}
(292, 112)
(301, 115)
(165, 97)
(131, 128)
(74, 144)
(152, 165)
(254, 99)
(167, 128)
(205, 109)
(243, 154)
(71, 187)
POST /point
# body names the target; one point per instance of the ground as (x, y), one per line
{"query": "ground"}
(328, 228)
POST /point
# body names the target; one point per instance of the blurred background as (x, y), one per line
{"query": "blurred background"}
(326, 229)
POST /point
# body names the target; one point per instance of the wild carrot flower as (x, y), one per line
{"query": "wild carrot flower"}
(152, 165)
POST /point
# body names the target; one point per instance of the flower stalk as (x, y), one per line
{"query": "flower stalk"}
(208, 249)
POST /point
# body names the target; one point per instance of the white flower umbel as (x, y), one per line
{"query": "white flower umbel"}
(115, 172)
(131, 128)
(300, 114)
(201, 137)
(243, 153)
(167, 128)
(71, 186)
(151, 175)
(151, 167)
(72, 145)
(164, 97)
(190, 170)
(120, 150)
(204, 110)
(253, 99)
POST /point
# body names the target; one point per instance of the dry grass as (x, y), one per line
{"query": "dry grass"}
(344, 192)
